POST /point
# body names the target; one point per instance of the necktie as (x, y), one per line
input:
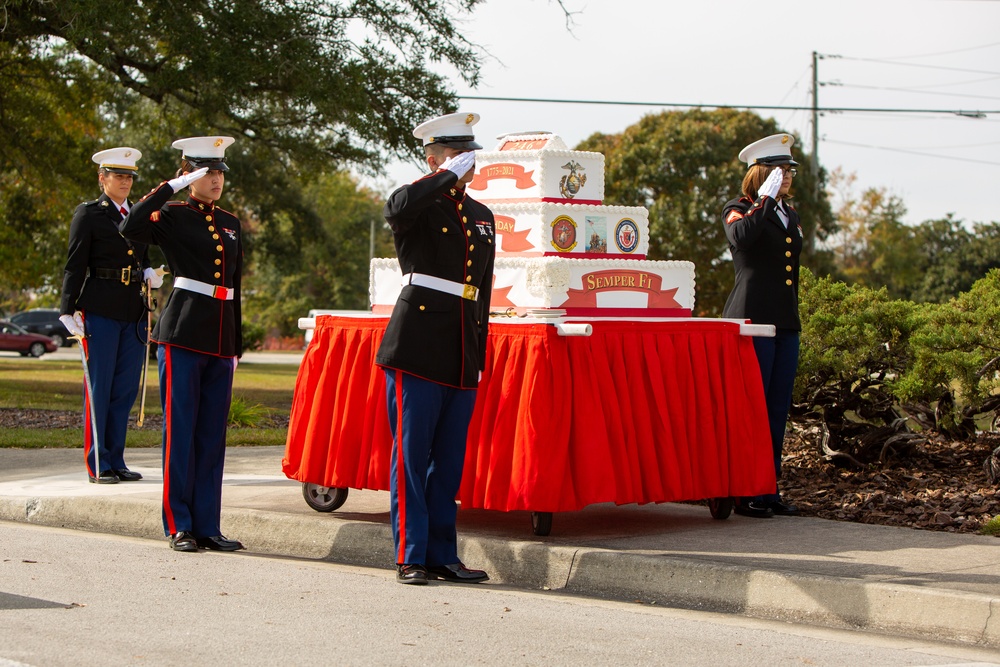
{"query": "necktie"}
(123, 211)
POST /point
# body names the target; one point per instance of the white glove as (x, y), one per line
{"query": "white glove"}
(770, 187)
(187, 179)
(73, 324)
(154, 279)
(460, 164)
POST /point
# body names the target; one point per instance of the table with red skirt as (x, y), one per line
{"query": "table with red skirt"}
(635, 412)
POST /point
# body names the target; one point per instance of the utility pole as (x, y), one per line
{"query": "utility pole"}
(815, 123)
(810, 230)
(371, 242)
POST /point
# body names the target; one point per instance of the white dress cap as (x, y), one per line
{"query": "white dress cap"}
(453, 130)
(775, 149)
(119, 160)
(205, 151)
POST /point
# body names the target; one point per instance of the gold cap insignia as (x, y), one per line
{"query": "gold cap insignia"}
(218, 142)
(470, 119)
(784, 139)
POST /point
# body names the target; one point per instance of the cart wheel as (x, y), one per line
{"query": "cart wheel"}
(323, 498)
(720, 508)
(541, 523)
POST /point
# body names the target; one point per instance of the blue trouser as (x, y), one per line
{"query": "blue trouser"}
(195, 391)
(779, 360)
(429, 424)
(115, 352)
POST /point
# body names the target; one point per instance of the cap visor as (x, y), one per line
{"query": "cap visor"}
(212, 163)
(775, 160)
(460, 145)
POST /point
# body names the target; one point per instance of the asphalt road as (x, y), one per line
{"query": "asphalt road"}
(72, 598)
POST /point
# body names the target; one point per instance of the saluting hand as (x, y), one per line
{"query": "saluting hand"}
(187, 179)
(460, 164)
(771, 186)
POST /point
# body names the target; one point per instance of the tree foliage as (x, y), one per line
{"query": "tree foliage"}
(683, 166)
(325, 266)
(932, 261)
(308, 88)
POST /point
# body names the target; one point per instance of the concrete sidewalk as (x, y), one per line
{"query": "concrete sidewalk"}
(930, 585)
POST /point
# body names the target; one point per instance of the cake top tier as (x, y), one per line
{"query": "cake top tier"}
(530, 141)
(536, 167)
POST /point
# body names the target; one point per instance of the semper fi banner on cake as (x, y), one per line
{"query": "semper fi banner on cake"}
(617, 281)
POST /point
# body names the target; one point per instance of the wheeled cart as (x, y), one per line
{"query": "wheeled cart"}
(569, 413)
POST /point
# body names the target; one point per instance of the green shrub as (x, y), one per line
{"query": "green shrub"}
(253, 335)
(242, 413)
(855, 342)
(959, 349)
(991, 527)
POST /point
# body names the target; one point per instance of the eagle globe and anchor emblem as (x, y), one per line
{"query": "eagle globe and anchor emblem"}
(570, 184)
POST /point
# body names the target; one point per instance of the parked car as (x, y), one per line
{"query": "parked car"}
(43, 321)
(15, 339)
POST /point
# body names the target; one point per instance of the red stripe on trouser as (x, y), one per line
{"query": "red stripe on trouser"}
(88, 426)
(167, 433)
(400, 471)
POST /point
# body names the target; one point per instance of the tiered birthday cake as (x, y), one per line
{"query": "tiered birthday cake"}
(558, 247)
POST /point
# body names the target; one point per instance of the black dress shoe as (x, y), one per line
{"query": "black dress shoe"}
(782, 508)
(219, 543)
(753, 508)
(106, 477)
(457, 573)
(183, 541)
(411, 574)
(126, 475)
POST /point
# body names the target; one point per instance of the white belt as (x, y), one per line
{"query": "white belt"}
(469, 292)
(214, 291)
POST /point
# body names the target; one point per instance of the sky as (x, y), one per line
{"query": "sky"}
(936, 56)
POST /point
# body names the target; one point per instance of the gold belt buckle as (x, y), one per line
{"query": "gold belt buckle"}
(470, 292)
(126, 275)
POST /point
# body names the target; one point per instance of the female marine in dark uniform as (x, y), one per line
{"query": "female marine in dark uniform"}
(199, 337)
(103, 302)
(765, 240)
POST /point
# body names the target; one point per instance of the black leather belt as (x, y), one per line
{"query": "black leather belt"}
(122, 275)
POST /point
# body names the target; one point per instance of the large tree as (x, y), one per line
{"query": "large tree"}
(307, 87)
(683, 166)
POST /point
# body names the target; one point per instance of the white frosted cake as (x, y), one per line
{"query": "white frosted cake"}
(537, 168)
(536, 229)
(579, 286)
(558, 246)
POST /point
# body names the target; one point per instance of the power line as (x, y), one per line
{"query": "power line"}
(890, 62)
(907, 90)
(909, 152)
(775, 107)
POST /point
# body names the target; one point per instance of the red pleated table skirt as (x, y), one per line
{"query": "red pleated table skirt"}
(637, 412)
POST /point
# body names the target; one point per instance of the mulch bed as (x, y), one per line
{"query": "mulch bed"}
(938, 485)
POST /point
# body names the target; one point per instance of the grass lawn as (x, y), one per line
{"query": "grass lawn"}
(57, 385)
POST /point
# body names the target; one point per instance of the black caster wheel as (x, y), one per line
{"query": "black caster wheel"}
(720, 508)
(323, 498)
(541, 523)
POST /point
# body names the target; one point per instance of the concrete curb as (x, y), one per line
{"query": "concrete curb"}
(850, 603)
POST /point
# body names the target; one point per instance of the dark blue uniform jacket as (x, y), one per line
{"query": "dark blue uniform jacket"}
(440, 231)
(766, 259)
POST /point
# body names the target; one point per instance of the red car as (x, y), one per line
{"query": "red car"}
(15, 339)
